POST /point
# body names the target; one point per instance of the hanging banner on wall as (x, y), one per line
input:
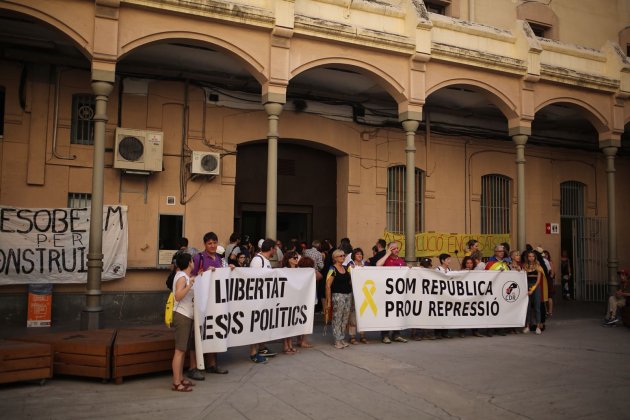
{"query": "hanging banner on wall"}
(398, 298)
(253, 305)
(50, 245)
(432, 244)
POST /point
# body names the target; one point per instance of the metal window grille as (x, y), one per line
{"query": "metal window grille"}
(572, 199)
(82, 130)
(588, 243)
(396, 199)
(495, 204)
(79, 200)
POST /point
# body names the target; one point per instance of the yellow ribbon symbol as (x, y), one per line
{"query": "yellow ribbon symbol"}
(368, 292)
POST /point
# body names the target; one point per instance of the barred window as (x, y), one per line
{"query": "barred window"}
(79, 200)
(82, 129)
(396, 199)
(495, 204)
(572, 199)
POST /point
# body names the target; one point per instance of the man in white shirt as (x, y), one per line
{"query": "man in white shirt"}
(261, 260)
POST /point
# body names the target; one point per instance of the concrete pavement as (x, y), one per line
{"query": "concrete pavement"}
(576, 369)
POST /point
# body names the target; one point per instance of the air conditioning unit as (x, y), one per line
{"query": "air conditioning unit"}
(206, 163)
(138, 151)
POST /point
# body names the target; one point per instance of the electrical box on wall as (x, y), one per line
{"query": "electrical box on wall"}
(138, 151)
(206, 163)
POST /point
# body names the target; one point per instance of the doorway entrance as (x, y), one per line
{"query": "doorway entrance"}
(586, 241)
(307, 192)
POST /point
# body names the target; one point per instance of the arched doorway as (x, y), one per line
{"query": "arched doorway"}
(307, 192)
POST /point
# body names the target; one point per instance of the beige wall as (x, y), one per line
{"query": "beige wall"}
(33, 177)
(585, 22)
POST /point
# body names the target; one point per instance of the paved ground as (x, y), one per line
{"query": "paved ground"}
(576, 369)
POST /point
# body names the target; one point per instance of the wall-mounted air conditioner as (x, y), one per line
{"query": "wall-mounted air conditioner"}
(138, 151)
(206, 163)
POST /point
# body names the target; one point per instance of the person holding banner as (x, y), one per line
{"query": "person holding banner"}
(356, 260)
(209, 259)
(391, 259)
(305, 262)
(339, 289)
(261, 260)
(445, 260)
(534, 280)
(289, 260)
(183, 321)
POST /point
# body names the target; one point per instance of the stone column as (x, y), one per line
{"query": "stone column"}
(520, 140)
(90, 317)
(613, 283)
(273, 111)
(410, 127)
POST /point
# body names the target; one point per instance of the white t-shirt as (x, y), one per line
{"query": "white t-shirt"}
(442, 269)
(260, 261)
(481, 266)
(184, 306)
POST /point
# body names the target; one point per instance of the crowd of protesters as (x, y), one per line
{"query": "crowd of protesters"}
(333, 265)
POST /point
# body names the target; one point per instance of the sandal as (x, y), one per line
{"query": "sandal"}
(306, 345)
(290, 352)
(180, 387)
(187, 383)
(363, 340)
(353, 340)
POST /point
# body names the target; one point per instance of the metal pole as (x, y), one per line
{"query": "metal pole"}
(273, 111)
(90, 317)
(520, 140)
(613, 263)
(410, 127)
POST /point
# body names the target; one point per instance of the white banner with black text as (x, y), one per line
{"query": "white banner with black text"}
(394, 298)
(253, 305)
(50, 245)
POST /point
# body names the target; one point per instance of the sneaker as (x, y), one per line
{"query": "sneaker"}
(216, 369)
(400, 339)
(612, 321)
(386, 340)
(526, 330)
(266, 352)
(538, 331)
(195, 374)
(257, 358)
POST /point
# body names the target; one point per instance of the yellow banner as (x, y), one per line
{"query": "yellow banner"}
(432, 244)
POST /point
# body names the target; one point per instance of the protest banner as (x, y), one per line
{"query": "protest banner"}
(432, 244)
(253, 305)
(44, 245)
(394, 298)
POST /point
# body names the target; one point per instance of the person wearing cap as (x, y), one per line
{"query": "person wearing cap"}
(618, 300)
(209, 259)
